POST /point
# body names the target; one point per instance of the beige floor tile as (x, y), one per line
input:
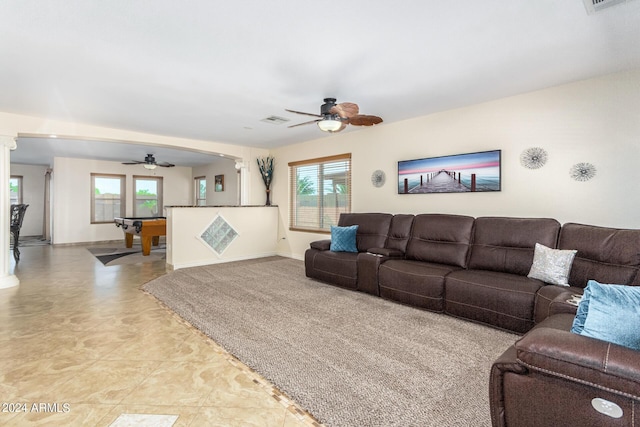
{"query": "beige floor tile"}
(237, 390)
(80, 334)
(240, 417)
(106, 381)
(180, 383)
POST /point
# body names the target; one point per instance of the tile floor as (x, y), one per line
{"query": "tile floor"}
(80, 345)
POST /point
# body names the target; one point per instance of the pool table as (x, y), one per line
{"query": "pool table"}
(149, 229)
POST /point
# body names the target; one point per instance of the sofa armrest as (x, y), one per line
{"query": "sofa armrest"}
(506, 363)
(552, 299)
(386, 252)
(321, 245)
(581, 359)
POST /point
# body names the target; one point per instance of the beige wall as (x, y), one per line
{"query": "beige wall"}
(226, 167)
(595, 121)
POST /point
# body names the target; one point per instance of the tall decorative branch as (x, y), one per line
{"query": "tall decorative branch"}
(265, 164)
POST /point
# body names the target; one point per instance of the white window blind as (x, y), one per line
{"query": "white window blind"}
(320, 192)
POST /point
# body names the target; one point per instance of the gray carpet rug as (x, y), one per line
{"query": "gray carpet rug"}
(348, 358)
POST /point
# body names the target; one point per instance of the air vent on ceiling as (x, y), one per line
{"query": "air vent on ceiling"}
(275, 120)
(594, 6)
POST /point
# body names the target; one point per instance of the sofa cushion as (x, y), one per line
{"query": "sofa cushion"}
(608, 255)
(343, 239)
(499, 299)
(416, 283)
(551, 265)
(507, 244)
(373, 228)
(440, 239)
(610, 313)
(399, 232)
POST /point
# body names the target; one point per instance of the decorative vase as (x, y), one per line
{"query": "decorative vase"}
(268, 202)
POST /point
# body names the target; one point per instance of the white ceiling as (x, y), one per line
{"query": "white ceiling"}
(212, 70)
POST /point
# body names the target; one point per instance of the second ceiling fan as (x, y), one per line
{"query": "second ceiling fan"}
(335, 117)
(149, 162)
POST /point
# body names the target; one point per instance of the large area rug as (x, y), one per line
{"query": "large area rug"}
(348, 358)
(111, 256)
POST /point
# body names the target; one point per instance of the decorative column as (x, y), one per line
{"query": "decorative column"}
(6, 280)
(242, 166)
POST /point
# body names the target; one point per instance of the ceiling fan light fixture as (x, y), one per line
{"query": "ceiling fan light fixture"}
(329, 125)
(149, 166)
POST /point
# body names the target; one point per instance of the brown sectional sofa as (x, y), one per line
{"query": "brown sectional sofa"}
(476, 268)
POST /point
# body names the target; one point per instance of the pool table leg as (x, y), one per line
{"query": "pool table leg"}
(146, 245)
(155, 240)
(128, 239)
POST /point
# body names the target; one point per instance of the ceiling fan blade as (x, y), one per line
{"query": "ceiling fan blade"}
(300, 112)
(345, 110)
(165, 164)
(133, 162)
(305, 123)
(364, 120)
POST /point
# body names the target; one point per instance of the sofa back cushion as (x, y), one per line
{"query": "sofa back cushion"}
(608, 255)
(439, 238)
(507, 244)
(373, 228)
(399, 232)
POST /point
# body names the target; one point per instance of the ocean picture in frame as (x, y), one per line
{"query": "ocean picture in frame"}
(460, 173)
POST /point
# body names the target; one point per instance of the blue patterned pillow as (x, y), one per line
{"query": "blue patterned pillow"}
(611, 313)
(343, 239)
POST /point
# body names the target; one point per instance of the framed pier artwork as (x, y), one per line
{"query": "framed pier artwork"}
(460, 173)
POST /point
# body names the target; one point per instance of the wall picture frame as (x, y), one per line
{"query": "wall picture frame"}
(219, 183)
(459, 173)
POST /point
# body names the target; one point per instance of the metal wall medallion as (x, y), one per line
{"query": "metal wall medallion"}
(378, 178)
(533, 158)
(582, 171)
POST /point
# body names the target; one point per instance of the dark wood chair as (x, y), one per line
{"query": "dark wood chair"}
(17, 215)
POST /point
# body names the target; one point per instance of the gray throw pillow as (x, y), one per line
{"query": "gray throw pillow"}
(552, 265)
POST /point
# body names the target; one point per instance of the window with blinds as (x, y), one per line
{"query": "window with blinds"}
(320, 192)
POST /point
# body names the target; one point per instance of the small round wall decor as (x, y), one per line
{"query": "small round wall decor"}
(533, 158)
(582, 171)
(378, 178)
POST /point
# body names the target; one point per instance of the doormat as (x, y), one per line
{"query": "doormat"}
(123, 256)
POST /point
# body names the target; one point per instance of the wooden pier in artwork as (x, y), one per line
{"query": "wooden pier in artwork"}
(441, 182)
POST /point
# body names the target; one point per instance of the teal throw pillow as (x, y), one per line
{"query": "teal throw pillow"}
(343, 239)
(612, 314)
(583, 308)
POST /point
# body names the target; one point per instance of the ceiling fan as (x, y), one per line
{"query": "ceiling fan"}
(149, 163)
(335, 117)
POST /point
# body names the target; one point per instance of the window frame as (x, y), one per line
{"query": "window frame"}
(20, 179)
(123, 196)
(196, 198)
(321, 208)
(159, 199)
